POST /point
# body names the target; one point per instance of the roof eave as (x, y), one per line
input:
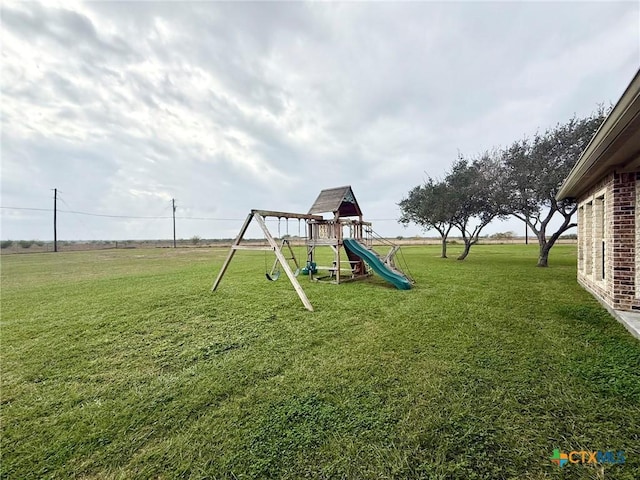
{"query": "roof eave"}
(592, 165)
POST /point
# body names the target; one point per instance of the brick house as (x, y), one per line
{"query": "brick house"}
(605, 182)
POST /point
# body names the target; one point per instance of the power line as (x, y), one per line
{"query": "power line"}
(110, 216)
(78, 218)
(86, 213)
(124, 216)
(159, 217)
(209, 218)
(27, 208)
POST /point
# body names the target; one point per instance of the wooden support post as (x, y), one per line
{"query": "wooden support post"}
(293, 256)
(310, 247)
(232, 251)
(388, 259)
(338, 230)
(284, 263)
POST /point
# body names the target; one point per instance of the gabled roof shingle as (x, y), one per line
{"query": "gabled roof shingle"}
(339, 199)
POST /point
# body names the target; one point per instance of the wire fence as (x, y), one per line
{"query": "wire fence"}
(94, 227)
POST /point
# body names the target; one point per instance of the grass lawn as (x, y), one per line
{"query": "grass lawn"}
(122, 364)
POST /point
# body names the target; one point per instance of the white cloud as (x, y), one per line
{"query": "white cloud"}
(233, 106)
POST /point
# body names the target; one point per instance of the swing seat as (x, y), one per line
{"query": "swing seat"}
(273, 277)
(310, 267)
(276, 275)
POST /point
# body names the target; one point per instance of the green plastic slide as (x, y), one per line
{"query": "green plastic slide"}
(394, 277)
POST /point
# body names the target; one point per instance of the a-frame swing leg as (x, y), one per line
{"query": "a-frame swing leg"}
(232, 251)
(284, 264)
(292, 257)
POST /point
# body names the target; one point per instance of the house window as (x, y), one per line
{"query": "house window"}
(581, 234)
(598, 238)
(587, 239)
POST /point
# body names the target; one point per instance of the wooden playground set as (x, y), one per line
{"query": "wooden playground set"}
(346, 234)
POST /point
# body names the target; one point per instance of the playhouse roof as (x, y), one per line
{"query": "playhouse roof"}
(339, 200)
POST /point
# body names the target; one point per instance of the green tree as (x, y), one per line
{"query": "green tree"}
(429, 206)
(470, 196)
(478, 194)
(535, 169)
(503, 235)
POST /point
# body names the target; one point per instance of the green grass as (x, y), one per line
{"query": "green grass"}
(122, 364)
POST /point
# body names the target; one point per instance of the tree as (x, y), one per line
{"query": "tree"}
(479, 194)
(503, 235)
(471, 195)
(535, 170)
(430, 206)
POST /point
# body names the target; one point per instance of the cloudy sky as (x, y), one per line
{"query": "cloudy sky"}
(225, 107)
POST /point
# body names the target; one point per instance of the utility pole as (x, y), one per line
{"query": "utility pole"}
(55, 219)
(173, 204)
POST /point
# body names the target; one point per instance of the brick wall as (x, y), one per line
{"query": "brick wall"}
(608, 213)
(624, 232)
(636, 302)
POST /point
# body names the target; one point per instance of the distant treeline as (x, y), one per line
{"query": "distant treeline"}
(38, 246)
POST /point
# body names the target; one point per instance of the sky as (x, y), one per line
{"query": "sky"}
(228, 107)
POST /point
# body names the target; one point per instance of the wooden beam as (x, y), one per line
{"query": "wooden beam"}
(388, 259)
(283, 262)
(232, 251)
(293, 255)
(252, 247)
(270, 213)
